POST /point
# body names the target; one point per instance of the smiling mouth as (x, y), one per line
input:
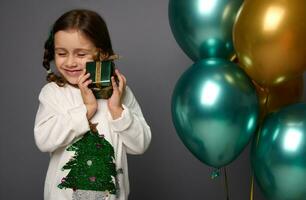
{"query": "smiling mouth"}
(73, 72)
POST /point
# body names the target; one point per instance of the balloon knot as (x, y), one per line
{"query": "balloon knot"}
(215, 173)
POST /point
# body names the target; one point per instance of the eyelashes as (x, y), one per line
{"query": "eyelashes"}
(80, 55)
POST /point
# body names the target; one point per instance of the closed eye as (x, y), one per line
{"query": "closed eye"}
(61, 54)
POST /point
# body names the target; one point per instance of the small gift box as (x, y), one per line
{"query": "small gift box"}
(100, 74)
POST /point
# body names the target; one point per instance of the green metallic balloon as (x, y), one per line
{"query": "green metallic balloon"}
(203, 28)
(215, 110)
(279, 156)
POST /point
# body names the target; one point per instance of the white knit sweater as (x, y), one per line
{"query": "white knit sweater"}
(61, 120)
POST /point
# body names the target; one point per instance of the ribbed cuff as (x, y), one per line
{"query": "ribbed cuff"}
(123, 122)
(79, 119)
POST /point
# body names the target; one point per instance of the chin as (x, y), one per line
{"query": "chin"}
(71, 79)
(72, 82)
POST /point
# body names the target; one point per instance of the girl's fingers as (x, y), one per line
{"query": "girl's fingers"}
(123, 77)
(124, 80)
(121, 80)
(86, 76)
(83, 78)
(115, 87)
(123, 83)
(86, 83)
(83, 73)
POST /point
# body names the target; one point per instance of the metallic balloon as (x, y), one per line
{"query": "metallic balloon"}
(284, 94)
(279, 156)
(215, 110)
(203, 28)
(269, 38)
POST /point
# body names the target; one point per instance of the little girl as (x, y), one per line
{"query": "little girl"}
(87, 138)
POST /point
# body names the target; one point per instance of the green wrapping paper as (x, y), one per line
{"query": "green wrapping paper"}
(100, 74)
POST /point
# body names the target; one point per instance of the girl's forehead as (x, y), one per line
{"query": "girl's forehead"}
(72, 39)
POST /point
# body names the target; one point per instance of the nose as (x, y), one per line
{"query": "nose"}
(71, 61)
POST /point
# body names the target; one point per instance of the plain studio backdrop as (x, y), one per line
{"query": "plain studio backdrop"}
(152, 62)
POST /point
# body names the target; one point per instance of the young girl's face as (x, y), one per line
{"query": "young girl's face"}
(72, 50)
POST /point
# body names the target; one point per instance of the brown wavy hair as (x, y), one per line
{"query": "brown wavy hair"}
(89, 23)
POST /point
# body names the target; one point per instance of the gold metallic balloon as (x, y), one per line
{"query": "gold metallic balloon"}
(275, 97)
(270, 39)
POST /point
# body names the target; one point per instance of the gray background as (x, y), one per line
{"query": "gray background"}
(152, 63)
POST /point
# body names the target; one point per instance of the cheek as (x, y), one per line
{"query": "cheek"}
(82, 61)
(58, 61)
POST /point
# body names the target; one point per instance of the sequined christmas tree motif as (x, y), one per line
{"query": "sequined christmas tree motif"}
(92, 167)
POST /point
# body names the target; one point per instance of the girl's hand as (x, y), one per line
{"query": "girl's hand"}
(87, 95)
(115, 101)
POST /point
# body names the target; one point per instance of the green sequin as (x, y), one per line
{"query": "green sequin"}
(92, 167)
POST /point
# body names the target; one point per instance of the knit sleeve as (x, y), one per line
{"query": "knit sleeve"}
(131, 125)
(55, 126)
